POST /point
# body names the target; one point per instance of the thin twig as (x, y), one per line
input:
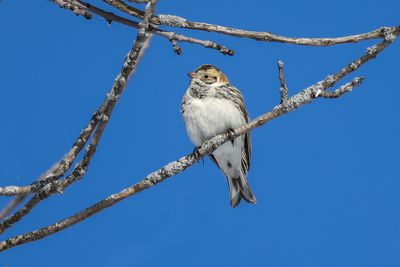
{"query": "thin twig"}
(283, 88)
(179, 22)
(348, 87)
(111, 17)
(14, 190)
(20, 198)
(304, 97)
(59, 169)
(139, 1)
(176, 47)
(73, 7)
(11, 205)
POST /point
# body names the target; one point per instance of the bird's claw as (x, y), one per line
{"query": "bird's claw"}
(196, 152)
(231, 131)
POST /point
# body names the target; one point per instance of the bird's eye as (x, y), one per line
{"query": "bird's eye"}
(206, 76)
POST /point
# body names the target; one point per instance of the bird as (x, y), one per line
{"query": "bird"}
(212, 106)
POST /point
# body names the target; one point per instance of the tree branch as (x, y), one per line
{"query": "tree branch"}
(11, 205)
(304, 97)
(110, 17)
(106, 109)
(32, 188)
(179, 22)
(74, 7)
(283, 89)
(348, 87)
(14, 190)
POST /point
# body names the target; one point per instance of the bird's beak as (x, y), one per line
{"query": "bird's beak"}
(192, 74)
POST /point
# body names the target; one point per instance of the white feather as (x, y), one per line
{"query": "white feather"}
(205, 118)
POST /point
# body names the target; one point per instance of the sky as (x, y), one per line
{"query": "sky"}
(326, 176)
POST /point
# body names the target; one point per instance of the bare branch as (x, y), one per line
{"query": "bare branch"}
(9, 221)
(74, 7)
(302, 98)
(19, 199)
(11, 205)
(14, 190)
(111, 17)
(283, 89)
(348, 87)
(176, 47)
(269, 37)
(139, 1)
(59, 169)
(118, 87)
(179, 22)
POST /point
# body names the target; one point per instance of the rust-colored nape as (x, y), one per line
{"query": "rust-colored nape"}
(222, 78)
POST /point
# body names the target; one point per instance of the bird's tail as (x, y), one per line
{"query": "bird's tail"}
(239, 188)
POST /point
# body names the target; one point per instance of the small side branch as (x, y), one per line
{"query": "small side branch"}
(207, 44)
(283, 88)
(348, 87)
(175, 46)
(11, 205)
(139, 1)
(9, 221)
(74, 7)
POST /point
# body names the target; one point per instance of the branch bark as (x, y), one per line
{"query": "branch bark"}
(283, 89)
(111, 17)
(179, 22)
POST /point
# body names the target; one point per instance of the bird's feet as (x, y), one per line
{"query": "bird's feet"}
(231, 132)
(196, 153)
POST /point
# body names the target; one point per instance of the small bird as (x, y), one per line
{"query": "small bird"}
(212, 106)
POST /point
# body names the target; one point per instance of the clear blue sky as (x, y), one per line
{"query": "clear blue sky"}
(326, 176)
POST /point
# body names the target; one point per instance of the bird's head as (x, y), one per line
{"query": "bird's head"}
(209, 74)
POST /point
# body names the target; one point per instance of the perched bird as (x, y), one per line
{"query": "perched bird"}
(212, 106)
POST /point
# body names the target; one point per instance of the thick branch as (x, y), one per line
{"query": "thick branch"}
(179, 22)
(302, 98)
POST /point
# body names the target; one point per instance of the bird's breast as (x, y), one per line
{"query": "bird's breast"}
(205, 118)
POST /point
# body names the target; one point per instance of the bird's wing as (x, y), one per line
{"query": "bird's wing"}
(246, 152)
(183, 104)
